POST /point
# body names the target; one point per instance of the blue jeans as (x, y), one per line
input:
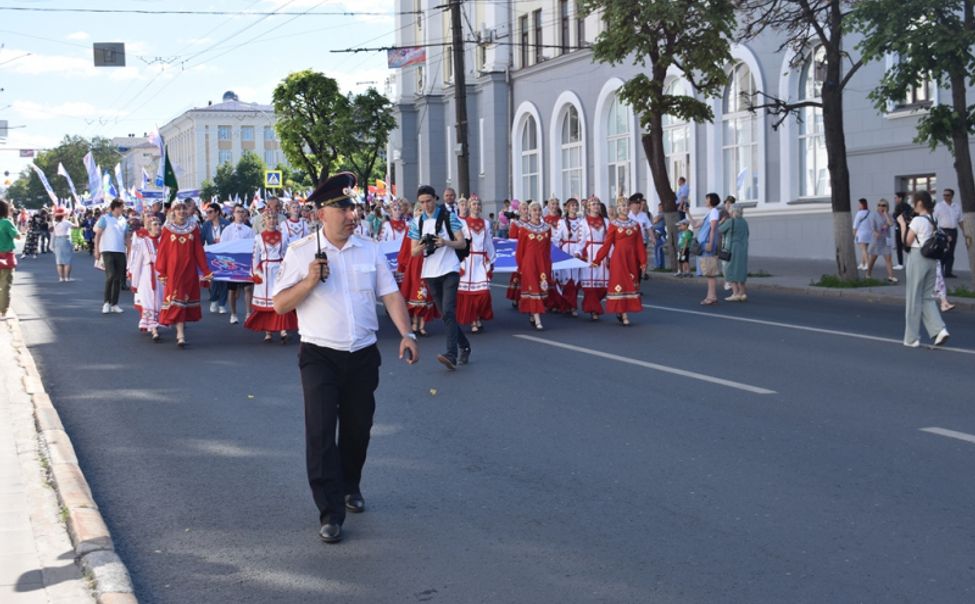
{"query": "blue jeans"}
(443, 290)
(218, 292)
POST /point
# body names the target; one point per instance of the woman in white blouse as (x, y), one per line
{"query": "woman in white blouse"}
(920, 304)
(62, 244)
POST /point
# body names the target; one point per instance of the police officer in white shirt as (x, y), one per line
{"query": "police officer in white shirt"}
(332, 278)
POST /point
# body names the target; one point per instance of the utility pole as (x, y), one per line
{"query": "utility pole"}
(460, 100)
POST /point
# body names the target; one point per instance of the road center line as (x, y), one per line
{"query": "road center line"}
(832, 332)
(950, 434)
(673, 370)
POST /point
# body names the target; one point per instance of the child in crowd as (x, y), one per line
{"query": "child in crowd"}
(684, 237)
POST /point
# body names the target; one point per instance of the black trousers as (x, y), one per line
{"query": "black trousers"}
(443, 290)
(948, 264)
(900, 244)
(114, 275)
(339, 392)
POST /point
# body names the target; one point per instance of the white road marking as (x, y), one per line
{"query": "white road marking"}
(831, 332)
(950, 434)
(673, 370)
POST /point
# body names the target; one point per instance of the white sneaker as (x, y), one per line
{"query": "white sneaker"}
(223, 310)
(913, 344)
(106, 308)
(898, 267)
(727, 287)
(233, 320)
(117, 309)
(213, 307)
(941, 338)
(861, 267)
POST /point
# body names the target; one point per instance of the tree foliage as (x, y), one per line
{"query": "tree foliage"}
(242, 180)
(369, 123)
(27, 188)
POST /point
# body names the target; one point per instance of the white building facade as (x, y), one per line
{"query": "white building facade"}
(545, 119)
(138, 154)
(203, 138)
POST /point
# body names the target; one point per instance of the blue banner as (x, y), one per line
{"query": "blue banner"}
(231, 261)
(504, 256)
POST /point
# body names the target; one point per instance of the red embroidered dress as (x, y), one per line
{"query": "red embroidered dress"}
(180, 260)
(268, 253)
(534, 258)
(412, 286)
(514, 282)
(627, 256)
(474, 290)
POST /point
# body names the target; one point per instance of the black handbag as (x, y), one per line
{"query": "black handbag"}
(724, 254)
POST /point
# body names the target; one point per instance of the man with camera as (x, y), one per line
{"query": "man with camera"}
(332, 278)
(439, 235)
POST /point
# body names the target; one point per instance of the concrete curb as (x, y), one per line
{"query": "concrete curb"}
(861, 294)
(92, 542)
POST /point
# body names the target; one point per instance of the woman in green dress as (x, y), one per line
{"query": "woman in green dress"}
(734, 237)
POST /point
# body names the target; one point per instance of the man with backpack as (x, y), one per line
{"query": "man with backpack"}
(438, 236)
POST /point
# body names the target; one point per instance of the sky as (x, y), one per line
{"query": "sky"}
(173, 62)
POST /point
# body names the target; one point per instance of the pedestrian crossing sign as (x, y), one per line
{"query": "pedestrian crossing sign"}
(272, 179)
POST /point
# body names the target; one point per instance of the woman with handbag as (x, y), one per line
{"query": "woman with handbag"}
(708, 239)
(734, 252)
(920, 304)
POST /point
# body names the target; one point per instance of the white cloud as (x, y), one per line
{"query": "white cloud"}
(79, 35)
(71, 109)
(75, 66)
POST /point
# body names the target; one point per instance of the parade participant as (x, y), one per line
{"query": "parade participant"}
(8, 260)
(627, 262)
(33, 234)
(236, 231)
(474, 291)
(595, 278)
(552, 215)
(514, 282)
(394, 229)
(146, 286)
(179, 262)
(637, 212)
(44, 232)
(412, 286)
(362, 226)
(273, 206)
(334, 297)
(88, 230)
(463, 208)
(450, 200)
(534, 259)
(568, 237)
(111, 236)
(295, 227)
(438, 236)
(269, 251)
(212, 231)
(63, 249)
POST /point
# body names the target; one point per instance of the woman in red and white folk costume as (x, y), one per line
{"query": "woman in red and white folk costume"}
(594, 279)
(145, 281)
(552, 215)
(269, 248)
(395, 229)
(295, 227)
(568, 238)
(627, 263)
(514, 282)
(474, 290)
(413, 288)
(534, 258)
(179, 262)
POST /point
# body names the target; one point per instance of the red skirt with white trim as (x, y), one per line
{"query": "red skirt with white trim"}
(474, 306)
(265, 319)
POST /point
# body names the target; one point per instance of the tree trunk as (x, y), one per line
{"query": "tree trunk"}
(963, 160)
(653, 146)
(839, 171)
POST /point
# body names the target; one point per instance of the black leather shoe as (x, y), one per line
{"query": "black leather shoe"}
(355, 503)
(447, 361)
(464, 357)
(331, 533)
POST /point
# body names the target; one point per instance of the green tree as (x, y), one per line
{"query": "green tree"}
(70, 151)
(692, 36)
(368, 125)
(811, 27)
(310, 112)
(208, 190)
(225, 180)
(249, 174)
(932, 40)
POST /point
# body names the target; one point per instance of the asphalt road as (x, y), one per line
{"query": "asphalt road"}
(779, 458)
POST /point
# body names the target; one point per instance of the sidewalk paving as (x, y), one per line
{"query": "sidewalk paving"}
(54, 546)
(795, 276)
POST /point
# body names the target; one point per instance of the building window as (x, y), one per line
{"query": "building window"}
(448, 65)
(418, 10)
(270, 158)
(677, 136)
(481, 57)
(618, 150)
(571, 138)
(563, 26)
(917, 183)
(247, 133)
(537, 26)
(226, 156)
(530, 176)
(269, 133)
(740, 136)
(580, 26)
(919, 97)
(420, 81)
(223, 133)
(523, 39)
(813, 175)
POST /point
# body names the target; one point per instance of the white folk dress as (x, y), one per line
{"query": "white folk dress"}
(474, 290)
(269, 249)
(569, 238)
(148, 290)
(594, 281)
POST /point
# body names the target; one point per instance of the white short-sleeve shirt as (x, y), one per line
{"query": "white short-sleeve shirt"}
(923, 229)
(341, 313)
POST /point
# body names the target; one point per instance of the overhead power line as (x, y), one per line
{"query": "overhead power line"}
(143, 11)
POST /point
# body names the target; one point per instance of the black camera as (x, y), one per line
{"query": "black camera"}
(429, 243)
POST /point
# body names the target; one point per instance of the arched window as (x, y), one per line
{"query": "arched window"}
(677, 135)
(740, 136)
(618, 149)
(813, 175)
(571, 139)
(529, 160)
